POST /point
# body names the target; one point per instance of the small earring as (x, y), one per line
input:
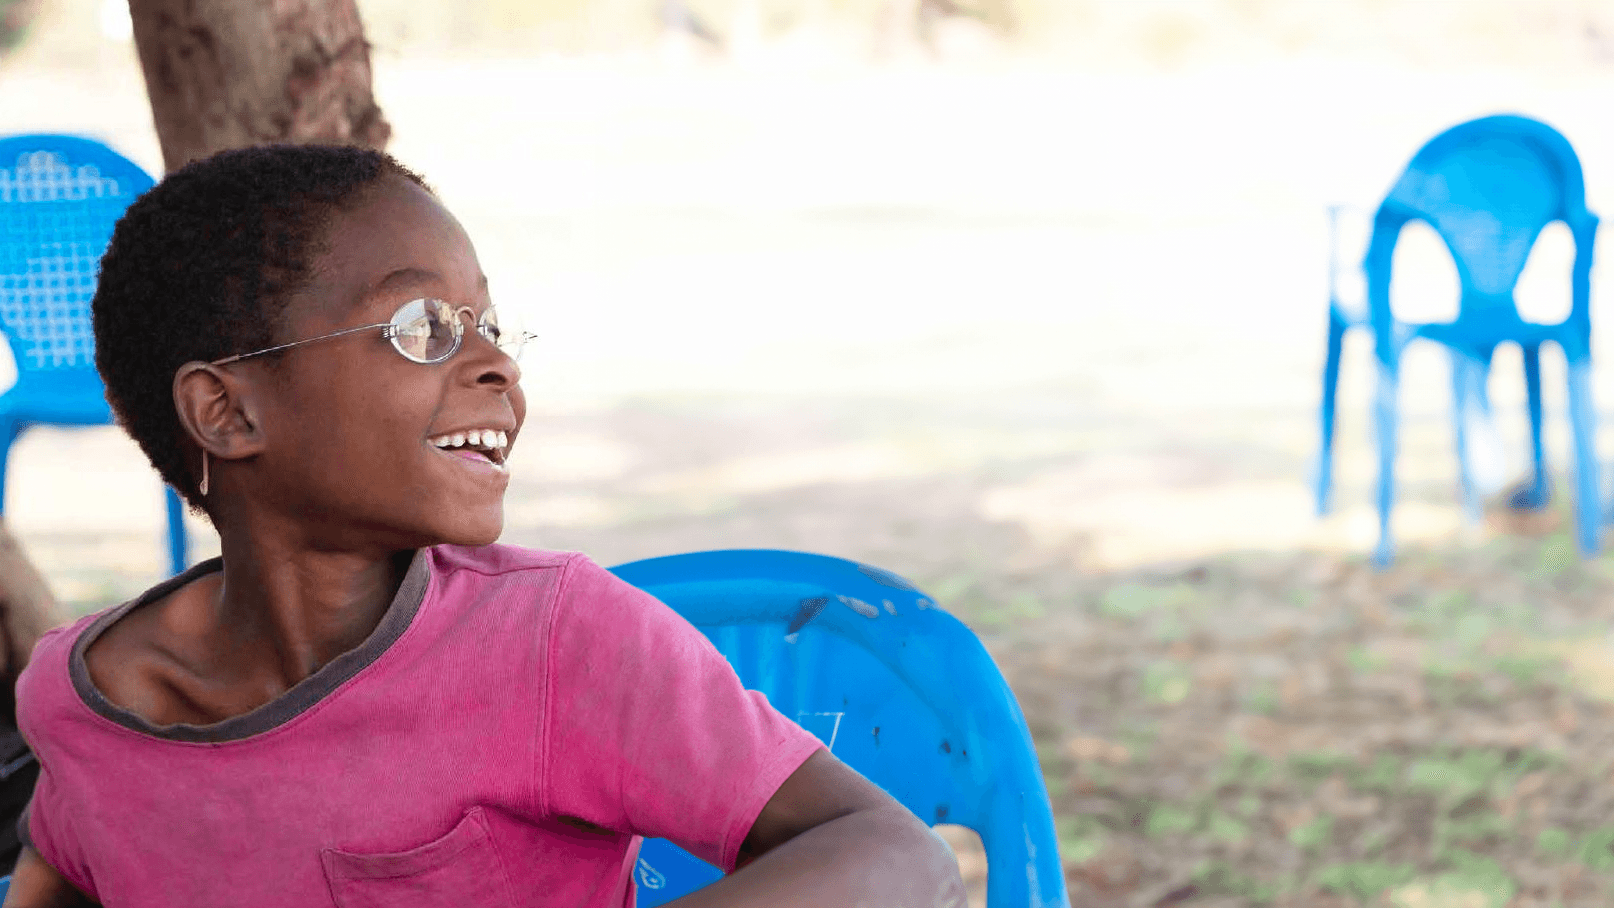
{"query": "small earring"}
(203, 486)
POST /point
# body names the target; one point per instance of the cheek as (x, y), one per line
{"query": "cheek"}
(387, 386)
(365, 407)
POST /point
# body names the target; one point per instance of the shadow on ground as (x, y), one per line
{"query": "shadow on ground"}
(1253, 728)
(1256, 728)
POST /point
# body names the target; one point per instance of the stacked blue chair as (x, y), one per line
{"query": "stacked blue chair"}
(59, 197)
(1487, 187)
(897, 688)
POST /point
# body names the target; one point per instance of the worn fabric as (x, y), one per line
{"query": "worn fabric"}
(515, 721)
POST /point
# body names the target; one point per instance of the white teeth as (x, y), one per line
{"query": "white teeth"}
(475, 438)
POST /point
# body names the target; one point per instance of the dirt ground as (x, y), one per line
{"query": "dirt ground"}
(1279, 727)
(1246, 728)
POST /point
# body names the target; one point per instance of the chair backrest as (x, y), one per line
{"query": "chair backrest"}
(59, 198)
(1487, 187)
(898, 689)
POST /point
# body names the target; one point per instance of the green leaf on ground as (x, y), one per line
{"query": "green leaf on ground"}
(1316, 766)
(1313, 835)
(1224, 828)
(1081, 838)
(1553, 842)
(1167, 819)
(1167, 682)
(1365, 880)
(1383, 774)
(1454, 779)
(1596, 850)
(1130, 601)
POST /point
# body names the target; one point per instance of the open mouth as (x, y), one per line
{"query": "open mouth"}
(478, 445)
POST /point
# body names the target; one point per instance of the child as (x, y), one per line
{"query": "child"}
(366, 701)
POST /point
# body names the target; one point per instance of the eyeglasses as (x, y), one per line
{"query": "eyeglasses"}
(424, 331)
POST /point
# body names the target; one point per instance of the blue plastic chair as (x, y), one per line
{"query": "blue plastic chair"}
(59, 197)
(1487, 187)
(897, 688)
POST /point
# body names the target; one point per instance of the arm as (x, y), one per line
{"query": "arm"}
(27, 611)
(828, 836)
(36, 884)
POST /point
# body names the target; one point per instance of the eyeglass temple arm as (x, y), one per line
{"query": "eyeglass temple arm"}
(275, 349)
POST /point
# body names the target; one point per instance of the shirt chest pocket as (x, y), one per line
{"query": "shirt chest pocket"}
(461, 868)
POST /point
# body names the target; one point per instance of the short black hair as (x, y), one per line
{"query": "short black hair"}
(201, 267)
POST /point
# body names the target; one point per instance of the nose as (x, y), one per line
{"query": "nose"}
(505, 373)
(492, 366)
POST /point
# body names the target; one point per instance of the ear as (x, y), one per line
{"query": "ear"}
(215, 408)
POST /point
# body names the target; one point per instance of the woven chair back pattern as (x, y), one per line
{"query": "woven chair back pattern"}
(55, 220)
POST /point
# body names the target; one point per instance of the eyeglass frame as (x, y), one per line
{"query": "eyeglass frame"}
(390, 331)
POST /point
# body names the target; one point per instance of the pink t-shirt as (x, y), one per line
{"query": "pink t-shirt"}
(515, 720)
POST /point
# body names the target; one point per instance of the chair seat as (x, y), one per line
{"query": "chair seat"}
(1488, 337)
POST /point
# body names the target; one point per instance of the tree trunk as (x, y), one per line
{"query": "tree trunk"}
(15, 18)
(233, 73)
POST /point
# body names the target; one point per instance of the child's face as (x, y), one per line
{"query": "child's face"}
(348, 422)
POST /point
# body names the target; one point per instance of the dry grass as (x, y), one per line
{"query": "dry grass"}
(1257, 728)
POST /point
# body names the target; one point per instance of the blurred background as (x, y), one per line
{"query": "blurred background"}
(1024, 300)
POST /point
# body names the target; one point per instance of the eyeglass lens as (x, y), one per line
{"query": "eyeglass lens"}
(429, 331)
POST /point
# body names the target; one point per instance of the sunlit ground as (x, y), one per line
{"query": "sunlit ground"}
(1048, 341)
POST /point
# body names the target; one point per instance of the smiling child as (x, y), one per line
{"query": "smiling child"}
(366, 701)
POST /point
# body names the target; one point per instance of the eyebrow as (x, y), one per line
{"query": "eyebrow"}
(406, 277)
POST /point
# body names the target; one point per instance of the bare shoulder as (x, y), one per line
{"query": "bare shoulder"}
(138, 661)
(124, 664)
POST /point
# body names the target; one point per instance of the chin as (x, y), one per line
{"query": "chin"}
(485, 537)
(474, 532)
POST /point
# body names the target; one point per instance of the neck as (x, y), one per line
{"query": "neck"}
(292, 612)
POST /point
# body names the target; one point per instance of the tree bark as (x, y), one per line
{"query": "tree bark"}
(233, 73)
(16, 16)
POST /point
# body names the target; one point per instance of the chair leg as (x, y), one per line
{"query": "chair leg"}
(177, 555)
(1583, 420)
(1325, 456)
(1385, 419)
(1462, 368)
(9, 430)
(1539, 493)
(1479, 454)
